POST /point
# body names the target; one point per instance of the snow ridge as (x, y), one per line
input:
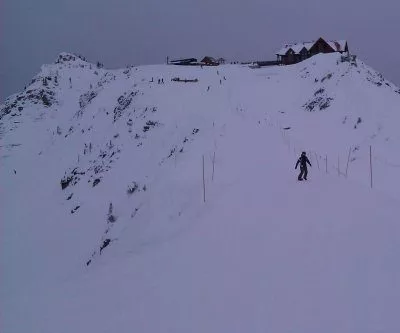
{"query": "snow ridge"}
(102, 186)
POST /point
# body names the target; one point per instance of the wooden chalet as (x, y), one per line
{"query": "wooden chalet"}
(209, 61)
(294, 53)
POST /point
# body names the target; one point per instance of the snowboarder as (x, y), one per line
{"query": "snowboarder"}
(303, 161)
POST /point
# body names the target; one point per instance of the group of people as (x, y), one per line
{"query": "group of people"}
(159, 81)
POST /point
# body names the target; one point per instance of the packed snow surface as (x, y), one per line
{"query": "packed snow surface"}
(107, 225)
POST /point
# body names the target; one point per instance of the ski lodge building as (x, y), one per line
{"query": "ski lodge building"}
(294, 53)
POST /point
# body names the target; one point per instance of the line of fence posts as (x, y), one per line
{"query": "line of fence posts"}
(294, 150)
(346, 174)
(293, 146)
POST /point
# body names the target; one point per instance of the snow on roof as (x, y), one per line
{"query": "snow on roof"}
(297, 47)
(337, 45)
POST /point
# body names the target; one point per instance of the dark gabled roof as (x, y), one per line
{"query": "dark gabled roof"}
(295, 47)
(209, 59)
(336, 45)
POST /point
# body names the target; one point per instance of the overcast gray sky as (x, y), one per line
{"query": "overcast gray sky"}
(121, 32)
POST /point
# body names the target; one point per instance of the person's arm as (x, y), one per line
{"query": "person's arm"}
(308, 161)
(298, 161)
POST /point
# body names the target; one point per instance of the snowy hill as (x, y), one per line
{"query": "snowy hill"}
(104, 227)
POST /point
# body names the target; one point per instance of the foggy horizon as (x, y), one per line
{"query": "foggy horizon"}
(146, 32)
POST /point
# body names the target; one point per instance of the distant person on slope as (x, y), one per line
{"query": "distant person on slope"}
(303, 160)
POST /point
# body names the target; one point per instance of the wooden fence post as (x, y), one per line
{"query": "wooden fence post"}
(204, 184)
(213, 163)
(370, 162)
(326, 163)
(316, 157)
(348, 160)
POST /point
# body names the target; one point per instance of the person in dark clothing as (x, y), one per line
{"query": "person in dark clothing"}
(303, 161)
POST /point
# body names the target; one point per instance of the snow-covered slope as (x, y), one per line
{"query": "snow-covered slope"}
(104, 225)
